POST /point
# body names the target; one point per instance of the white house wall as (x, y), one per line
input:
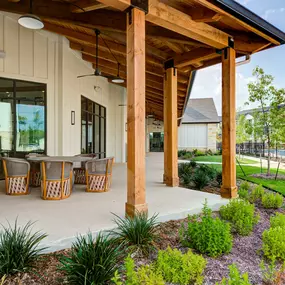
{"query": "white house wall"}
(44, 57)
(196, 136)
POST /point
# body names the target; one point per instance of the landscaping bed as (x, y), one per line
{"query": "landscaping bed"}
(246, 251)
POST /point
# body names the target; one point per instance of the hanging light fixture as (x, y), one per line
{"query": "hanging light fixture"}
(31, 21)
(118, 79)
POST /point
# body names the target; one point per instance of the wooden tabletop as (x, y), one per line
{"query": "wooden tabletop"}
(59, 158)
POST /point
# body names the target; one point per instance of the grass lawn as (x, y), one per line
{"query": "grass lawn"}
(218, 158)
(278, 185)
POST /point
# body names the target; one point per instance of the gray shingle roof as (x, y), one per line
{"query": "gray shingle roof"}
(200, 111)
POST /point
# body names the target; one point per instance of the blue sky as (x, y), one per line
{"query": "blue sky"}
(208, 81)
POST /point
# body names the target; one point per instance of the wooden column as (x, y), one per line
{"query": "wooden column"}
(136, 111)
(170, 128)
(229, 189)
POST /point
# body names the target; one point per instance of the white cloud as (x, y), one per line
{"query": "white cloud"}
(270, 12)
(208, 84)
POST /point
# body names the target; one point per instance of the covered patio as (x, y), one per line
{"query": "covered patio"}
(63, 220)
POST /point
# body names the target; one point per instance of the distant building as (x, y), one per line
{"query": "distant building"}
(199, 125)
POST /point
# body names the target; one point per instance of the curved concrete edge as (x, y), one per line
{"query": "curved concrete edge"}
(67, 242)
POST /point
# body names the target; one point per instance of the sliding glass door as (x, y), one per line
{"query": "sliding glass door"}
(22, 118)
(93, 128)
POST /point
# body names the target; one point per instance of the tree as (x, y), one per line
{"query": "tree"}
(241, 131)
(269, 99)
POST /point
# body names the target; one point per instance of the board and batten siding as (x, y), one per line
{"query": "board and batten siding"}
(44, 57)
(197, 136)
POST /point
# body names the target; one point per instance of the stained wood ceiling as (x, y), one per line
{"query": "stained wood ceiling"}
(188, 31)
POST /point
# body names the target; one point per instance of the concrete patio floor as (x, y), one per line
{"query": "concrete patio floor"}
(64, 220)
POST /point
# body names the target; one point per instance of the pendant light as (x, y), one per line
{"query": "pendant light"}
(118, 79)
(31, 21)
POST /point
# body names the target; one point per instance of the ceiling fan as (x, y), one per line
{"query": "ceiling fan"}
(97, 72)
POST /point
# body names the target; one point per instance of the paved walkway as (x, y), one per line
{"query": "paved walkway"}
(65, 219)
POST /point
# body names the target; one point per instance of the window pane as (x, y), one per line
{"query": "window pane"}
(83, 103)
(30, 116)
(102, 138)
(83, 132)
(90, 133)
(102, 112)
(97, 134)
(97, 109)
(90, 106)
(7, 116)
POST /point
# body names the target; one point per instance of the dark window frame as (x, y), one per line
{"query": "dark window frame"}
(14, 152)
(86, 112)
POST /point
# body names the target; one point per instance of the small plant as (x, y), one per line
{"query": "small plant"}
(243, 194)
(241, 215)
(245, 186)
(193, 163)
(179, 268)
(273, 243)
(272, 201)
(256, 194)
(2, 281)
(145, 274)
(209, 171)
(185, 169)
(187, 155)
(200, 179)
(91, 260)
(19, 248)
(271, 273)
(277, 221)
(235, 278)
(137, 233)
(208, 235)
(182, 152)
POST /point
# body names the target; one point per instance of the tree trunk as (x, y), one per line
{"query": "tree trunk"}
(239, 151)
(268, 159)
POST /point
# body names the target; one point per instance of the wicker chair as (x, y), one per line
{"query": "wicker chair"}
(17, 172)
(35, 176)
(80, 172)
(99, 174)
(56, 179)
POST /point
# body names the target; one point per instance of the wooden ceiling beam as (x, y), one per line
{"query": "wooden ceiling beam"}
(86, 6)
(121, 5)
(211, 6)
(163, 15)
(194, 56)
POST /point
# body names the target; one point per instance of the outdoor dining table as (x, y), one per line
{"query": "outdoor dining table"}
(73, 159)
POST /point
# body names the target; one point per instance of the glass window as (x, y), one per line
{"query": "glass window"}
(22, 117)
(93, 133)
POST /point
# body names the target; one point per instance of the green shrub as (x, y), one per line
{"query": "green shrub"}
(193, 163)
(200, 179)
(179, 268)
(272, 201)
(91, 260)
(137, 233)
(277, 221)
(184, 169)
(208, 235)
(187, 155)
(273, 243)
(199, 153)
(272, 272)
(241, 215)
(182, 152)
(245, 186)
(19, 248)
(256, 194)
(209, 171)
(219, 177)
(145, 275)
(243, 194)
(235, 278)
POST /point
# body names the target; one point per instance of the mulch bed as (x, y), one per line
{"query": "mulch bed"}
(269, 177)
(245, 253)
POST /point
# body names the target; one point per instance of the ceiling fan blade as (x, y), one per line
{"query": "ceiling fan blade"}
(86, 75)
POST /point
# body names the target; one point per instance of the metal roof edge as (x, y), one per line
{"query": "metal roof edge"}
(249, 17)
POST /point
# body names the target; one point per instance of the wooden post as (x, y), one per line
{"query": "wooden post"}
(170, 128)
(136, 200)
(229, 188)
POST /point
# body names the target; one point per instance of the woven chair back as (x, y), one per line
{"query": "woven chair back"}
(16, 166)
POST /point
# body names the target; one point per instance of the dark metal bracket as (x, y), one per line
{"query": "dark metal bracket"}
(139, 4)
